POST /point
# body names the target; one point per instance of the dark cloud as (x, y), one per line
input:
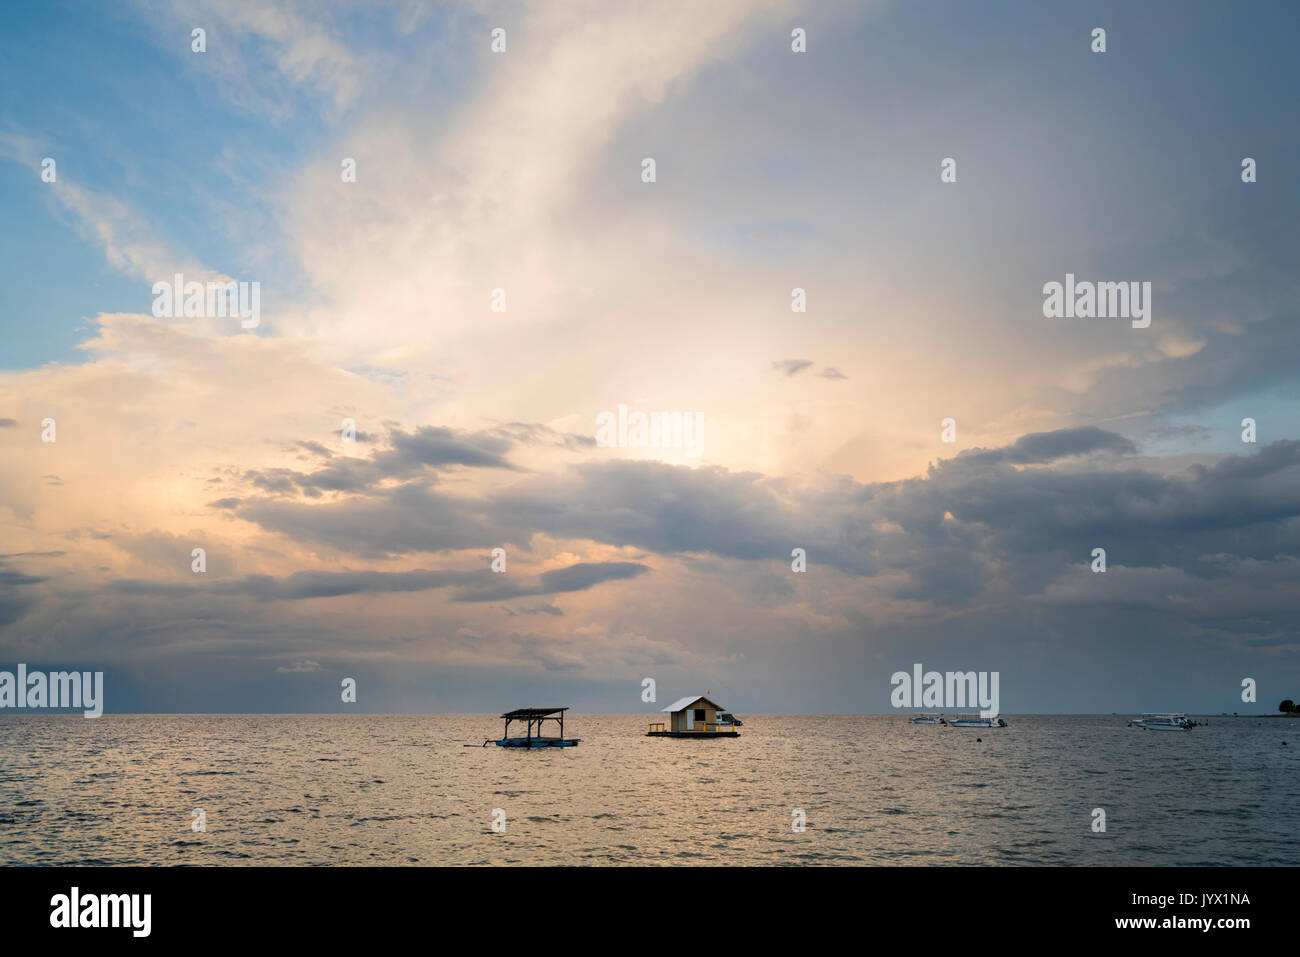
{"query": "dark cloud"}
(440, 448)
(661, 508)
(427, 450)
(478, 586)
(15, 597)
(793, 367)
(307, 584)
(585, 574)
(315, 448)
(975, 524)
(577, 577)
(1040, 447)
(389, 521)
(530, 433)
(979, 544)
(8, 423)
(536, 610)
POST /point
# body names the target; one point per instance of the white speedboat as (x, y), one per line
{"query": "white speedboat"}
(1162, 722)
(927, 719)
(975, 721)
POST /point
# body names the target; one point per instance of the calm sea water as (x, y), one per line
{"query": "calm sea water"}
(875, 790)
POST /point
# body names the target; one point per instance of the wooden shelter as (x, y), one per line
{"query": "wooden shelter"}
(533, 719)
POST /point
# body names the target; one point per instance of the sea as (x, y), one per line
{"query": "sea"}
(820, 790)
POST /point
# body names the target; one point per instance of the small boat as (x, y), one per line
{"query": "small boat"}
(537, 743)
(1162, 722)
(533, 718)
(975, 721)
(927, 719)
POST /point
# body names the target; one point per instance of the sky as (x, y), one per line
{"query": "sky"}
(441, 335)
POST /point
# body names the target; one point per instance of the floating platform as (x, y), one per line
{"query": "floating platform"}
(537, 742)
(533, 718)
(692, 734)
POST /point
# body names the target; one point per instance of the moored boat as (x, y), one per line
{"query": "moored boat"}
(927, 719)
(1162, 722)
(975, 721)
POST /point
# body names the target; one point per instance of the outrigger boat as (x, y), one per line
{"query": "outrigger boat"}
(975, 721)
(1162, 722)
(533, 718)
(927, 719)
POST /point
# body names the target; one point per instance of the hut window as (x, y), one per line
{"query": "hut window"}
(699, 714)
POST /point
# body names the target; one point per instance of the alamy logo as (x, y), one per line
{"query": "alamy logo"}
(58, 689)
(654, 430)
(952, 689)
(1098, 300)
(103, 910)
(214, 300)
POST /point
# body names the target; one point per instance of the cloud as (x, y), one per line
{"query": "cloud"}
(1210, 548)
(1041, 447)
(16, 595)
(476, 586)
(577, 577)
(408, 454)
(300, 667)
(975, 525)
(261, 53)
(388, 521)
(791, 367)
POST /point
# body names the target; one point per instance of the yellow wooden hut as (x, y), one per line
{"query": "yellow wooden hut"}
(695, 716)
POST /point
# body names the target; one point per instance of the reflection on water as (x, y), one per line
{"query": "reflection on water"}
(876, 790)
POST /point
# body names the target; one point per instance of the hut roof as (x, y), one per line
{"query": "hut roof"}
(532, 712)
(683, 703)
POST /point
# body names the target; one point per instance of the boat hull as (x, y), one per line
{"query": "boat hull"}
(537, 742)
(692, 734)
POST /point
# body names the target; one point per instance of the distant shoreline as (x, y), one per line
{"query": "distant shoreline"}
(46, 713)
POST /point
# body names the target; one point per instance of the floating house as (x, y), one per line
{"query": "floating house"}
(695, 716)
(533, 719)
